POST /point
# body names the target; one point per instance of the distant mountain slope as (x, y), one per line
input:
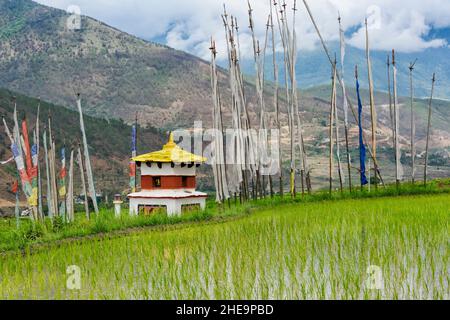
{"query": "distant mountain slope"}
(109, 141)
(440, 112)
(314, 69)
(117, 73)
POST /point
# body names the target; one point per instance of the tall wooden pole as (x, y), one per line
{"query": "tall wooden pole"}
(241, 112)
(223, 154)
(332, 101)
(240, 117)
(391, 111)
(362, 149)
(396, 125)
(373, 112)
(413, 124)
(295, 125)
(349, 164)
(55, 175)
(286, 58)
(259, 91)
(268, 142)
(345, 104)
(52, 164)
(69, 194)
(220, 176)
(276, 100)
(50, 212)
(90, 175)
(62, 191)
(339, 78)
(425, 174)
(305, 168)
(83, 181)
(38, 148)
(17, 206)
(336, 121)
(134, 152)
(30, 163)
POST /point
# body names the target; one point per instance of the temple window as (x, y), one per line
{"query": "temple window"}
(157, 182)
(184, 181)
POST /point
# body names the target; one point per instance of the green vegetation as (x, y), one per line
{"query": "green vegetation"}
(111, 137)
(32, 235)
(39, 234)
(117, 73)
(12, 28)
(312, 250)
(110, 140)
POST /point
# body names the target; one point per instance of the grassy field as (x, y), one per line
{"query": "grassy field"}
(30, 234)
(310, 250)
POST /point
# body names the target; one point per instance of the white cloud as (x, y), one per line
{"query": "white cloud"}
(188, 25)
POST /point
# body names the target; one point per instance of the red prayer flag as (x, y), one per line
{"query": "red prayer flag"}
(26, 140)
(63, 173)
(15, 187)
(132, 169)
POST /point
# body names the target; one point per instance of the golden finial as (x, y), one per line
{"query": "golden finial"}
(171, 143)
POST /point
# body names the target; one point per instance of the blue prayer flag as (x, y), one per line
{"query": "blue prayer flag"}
(133, 139)
(362, 147)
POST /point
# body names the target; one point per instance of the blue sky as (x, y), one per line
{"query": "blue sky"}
(188, 25)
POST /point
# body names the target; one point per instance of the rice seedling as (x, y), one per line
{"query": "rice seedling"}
(308, 250)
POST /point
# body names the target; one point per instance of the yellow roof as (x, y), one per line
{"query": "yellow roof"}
(170, 153)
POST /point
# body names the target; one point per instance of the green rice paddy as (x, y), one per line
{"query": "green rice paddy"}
(311, 250)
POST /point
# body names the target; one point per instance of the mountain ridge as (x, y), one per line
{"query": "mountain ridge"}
(115, 71)
(120, 75)
(314, 69)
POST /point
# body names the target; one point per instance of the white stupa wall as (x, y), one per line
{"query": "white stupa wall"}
(166, 170)
(174, 206)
